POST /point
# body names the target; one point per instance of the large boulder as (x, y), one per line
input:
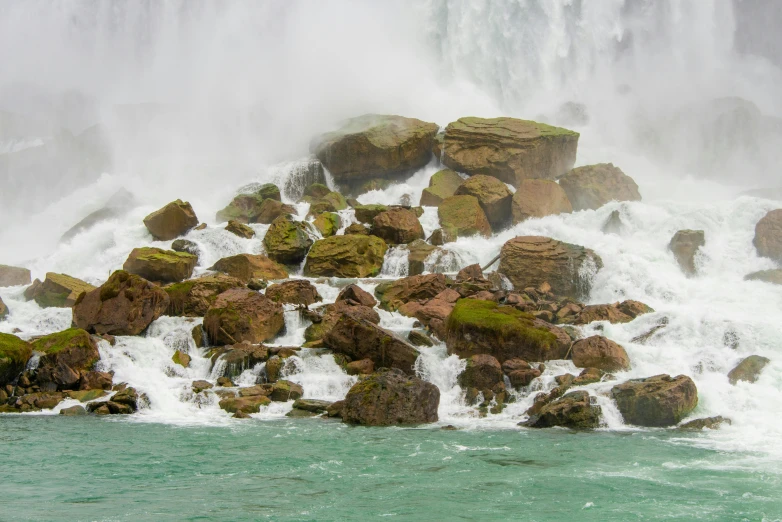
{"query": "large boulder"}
(346, 256)
(657, 401)
(156, 264)
(171, 221)
(434, 313)
(271, 209)
(601, 353)
(246, 267)
(537, 198)
(357, 295)
(493, 196)
(330, 314)
(592, 186)
(476, 327)
(66, 355)
(57, 290)
(463, 216)
(417, 253)
(194, 297)
(244, 208)
(530, 261)
(375, 146)
(390, 398)
(768, 236)
(14, 354)
(748, 370)
(359, 338)
(296, 291)
(394, 294)
(240, 229)
(767, 276)
(287, 241)
(509, 149)
(573, 410)
(482, 372)
(240, 314)
(124, 305)
(367, 213)
(684, 245)
(397, 226)
(442, 185)
(14, 275)
(327, 223)
(237, 358)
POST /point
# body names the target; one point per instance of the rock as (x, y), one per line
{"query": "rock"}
(748, 369)
(269, 191)
(573, 410)
(244, 405)
(634, 308)
(434, 313)
(96, 380)
(477, 326)
(248, 266)
(601, 353)
(335, 410)
(357, 229)
(592, 186)
(375, 146)
(356, 294)
(519, 372)
(657, 401)
(14, 354)
(529, 261)
(417, 338)
(156, 264)
(14, 276)
(493, 196)
(244, 208)
(589, 376)
(311, 405)
(372, 184)
(684, 245)
(442, 185)
(287, 241)
(238, 229)
(367, 213)
(330, 202)
(86, 395)
(240, 314)
(537, 198)
(361, 339)
(463, 216)
(171, 221)
(66, 355)
(767, 276)
(511, 150)
(296, 291)
(397, 226)
(442, 236)
(315, 192)
(393, 294)
(362, 367)
(327, 223)
(3, 310)
(57, 290)
(73, 411)
(117, 206)
(272, 209)
(768, 236)
(124, 305)
(390, 398)
(331, 315)
(644, 337)
(181, 358)
(418, 252)
(482, 372)
(623, 312)
(238, 357)
(301, 176)
(193, 298)
(346, 256)
(183, 245)
(711, 423)
(285, 391)
(613, 224)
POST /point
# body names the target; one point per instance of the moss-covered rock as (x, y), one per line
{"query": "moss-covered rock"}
(537, 198)
(14, 354)
(327, 224)
(240, 314)
(269, 191)
(357, 229)
(285, 391)
(244, 208)
(3, 310)
(14, 276)
(346, 256)
(156, 264)
(375, 146)
(193, 298)
(287, 241)
(66, 355)
(657, 401)
(246, 267)
(592, 186)
(442, 185)
(315, 192)
(171, 221)
(296, 291)
(366, 213)
(57, 290)
(493, 196)
(463, 216)
(574, 410)
(238, 229)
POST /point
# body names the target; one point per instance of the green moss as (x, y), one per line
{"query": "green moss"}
(13, 348)
(57, 342)
(164, 256)
(327, 223)
(110, 289)
(315, 191)
(268, 191)
(505, 320)
(510, 127)
(336, 199)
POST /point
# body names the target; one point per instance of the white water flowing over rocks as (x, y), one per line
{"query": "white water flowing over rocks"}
(549, 55)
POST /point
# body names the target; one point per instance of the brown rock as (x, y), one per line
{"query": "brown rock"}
(748, 369)
(592, 186)
(482, 372)
(332, 313)
(684, 245)
(362, 367)
(156, 264)
(773, 276)
(247, 266)
(602, 312)
(346, 256)
(285, 391)
(397, 226)
(271, 209)
(193, 298)
(240, 314)
(171, 221)
(66, 355)
(93, 380)
(601, 353)
(239, 357)
(418, 252)
(768, 236)
(442, 185)
(472, 272)
(357, 229)
(537, 198)
(573, 410)
(493, 196)
(462, 216)
(238, 229)
(296, 291)
(57, 290)
(395, 293)
(243, 406)
(356, 294)
(657, 401)
(14, 276)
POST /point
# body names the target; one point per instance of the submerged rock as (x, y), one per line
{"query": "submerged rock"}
(684, 245)
(711, 423)
(768, 236)
(462, 216)
(65, 356)
(14, 354)
(240, 314)
(247, 267)
(346, 256)
(657, 401)
(592, 186)
(493, 196)
(14, 276)
(57, 290)
(537, 198)
(397, 226)
(613, 224)
(171, 221)
(156, 264)
(748, 370)
(193, 298)
(442, 185)
(574, 410)
(601, 353)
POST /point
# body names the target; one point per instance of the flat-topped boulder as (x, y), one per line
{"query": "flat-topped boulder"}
(537, 198)
(287, 241)
(375, 145)
(592, 186)
(768, 236)
(493, 196)
(156, 264)
(397, 226)
(57, 290)
(509, 149)
(66, 355)
(773, 276)
(657, 401)
(240, 314)
(390, 398)
(14, 354)
(171, 221)
(193, 298)
(14, 276)
(246, 267)
(296, 291)
(393, 294)
(601, 353)
(462, 216)
(367, 213)
(442, 185)
(346, 256)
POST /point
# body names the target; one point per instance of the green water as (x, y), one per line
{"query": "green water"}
(54, 468)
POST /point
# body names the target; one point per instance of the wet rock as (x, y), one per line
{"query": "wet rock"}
(57, 290)
(181, 358)
(117, 206)
(238, 229)
(367, 213)
(644, 337)
(375, 146)
(397, 226)
(573, 410)
(124, 305)
(14, 276)
(193, 298)
(684, 245)
(442, 185)
(442, 236)
(493, 196)
(601, 353)
(434, 313)
(482, 372)
(248, 266)
(86, 395)
(332, 313)
(588, 376)
(335, 410)
(613, 224)
(244, 208)
(592, 186)
(186, 246)
(130, 398)
(14, 354)
(37, 401)
(240, 314)
(357, 295)
(271, 209)
(417, 338)
(311, 405)
(657, 401)
(66, 355)
(519, 372)
(296, 291)
(156, 264)
(285, 391)
(767, 276)
(361, 367)
(391, 398)
(748, 370)
(73, 411)
(244, 405)
(462, 216)
(393, 294)
(287, 241)
(346, 256)
(418, 252)
(95, 380)
(3, 310)
(357, 229)
(171, 221)
(225, 382)
(327, 223)
(768, 236)
(537, 198)
(711, 423)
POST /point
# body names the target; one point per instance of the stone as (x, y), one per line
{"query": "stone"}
(711, 423)
(361, 367)
(748, 370)
(238, 229)
(156, 264)
(248, 266)
(417, 338)
(602, 312)
(240, 314)
(244, 405)
(418, 252)
(529, 261)
(315, 192)
(768, 236)
(272, 209)
(442, 185)
(614, 224)
(201, 385)
(462, 216)
(372, 184)
(442, 236)
(476, 326)
(86, 395)
(537, 198)
(171, 221)
(311, 405)
(193, 298)
(393, 294)
(295, 291)
(657, 401)
(493, 196)
(367, 213)
(65, 355)
(57, 291)
(117, 206)
(3, 310)
(767, 276)
(573, 410)
(124, 305)
(397, 226)
(482, 372)
(519, 372)
(346, 256)
(601, 353)
(356, 294)
(592, 186)
(287, 241)
(390, 398)
(73, 411)
(181, 358)
(268, 191)
(375, 146)
(186, 246)
(14, 276)
(285, 391)
(327, 223)
(357, 229)
(244, 208)
(332, 313)
(95, 380)
(14, 354)
(509, 149)
(684, 245)
(435, 312)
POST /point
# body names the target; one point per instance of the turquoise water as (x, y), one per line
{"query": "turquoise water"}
(54, 468)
